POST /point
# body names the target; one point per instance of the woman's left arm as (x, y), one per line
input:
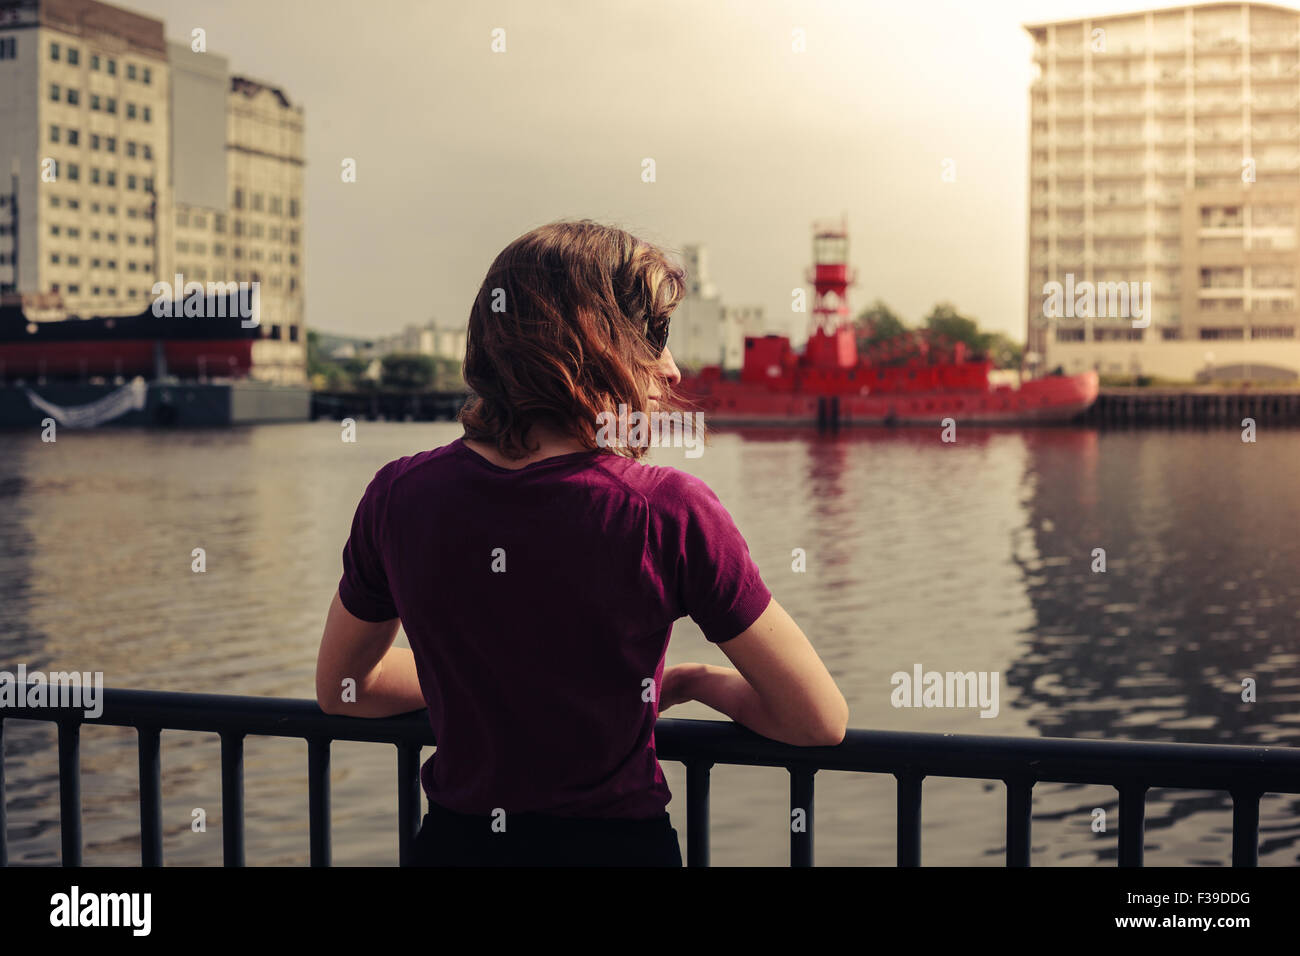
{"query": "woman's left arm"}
(386, 681)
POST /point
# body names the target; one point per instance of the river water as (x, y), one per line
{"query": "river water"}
(972, 556)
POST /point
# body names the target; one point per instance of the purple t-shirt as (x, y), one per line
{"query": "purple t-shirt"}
(538, 603)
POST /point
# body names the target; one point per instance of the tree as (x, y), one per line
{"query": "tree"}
(408, 371)
(948, 323)
(878, 323)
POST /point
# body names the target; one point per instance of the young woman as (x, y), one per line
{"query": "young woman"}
(538, 570)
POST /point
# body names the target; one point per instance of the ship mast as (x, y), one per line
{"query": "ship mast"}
(832, 342)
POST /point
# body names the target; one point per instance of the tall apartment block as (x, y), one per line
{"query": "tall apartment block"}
(238, 183)
(85, 154)
(1165, 149)
(131, 160)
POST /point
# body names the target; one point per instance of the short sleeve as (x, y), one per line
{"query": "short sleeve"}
(363, 589)
(718, 583)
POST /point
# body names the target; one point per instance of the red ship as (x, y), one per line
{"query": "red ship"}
(918, 379)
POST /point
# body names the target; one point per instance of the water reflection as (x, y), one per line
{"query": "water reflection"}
(969, 556)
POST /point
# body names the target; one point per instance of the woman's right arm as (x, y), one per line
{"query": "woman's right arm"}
(780, 688)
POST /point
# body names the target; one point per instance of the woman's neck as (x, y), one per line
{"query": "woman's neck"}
(548, 442)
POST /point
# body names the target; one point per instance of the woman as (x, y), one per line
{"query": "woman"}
(538, 573)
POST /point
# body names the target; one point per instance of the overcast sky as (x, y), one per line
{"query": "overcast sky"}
(460, 150)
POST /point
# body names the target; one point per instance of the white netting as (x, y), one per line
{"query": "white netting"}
(129, 397)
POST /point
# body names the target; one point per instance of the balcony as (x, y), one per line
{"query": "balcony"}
(1131, 767)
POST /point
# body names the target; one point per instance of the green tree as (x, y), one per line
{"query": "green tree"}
(946, 321)
(878, 323)
(407, 371)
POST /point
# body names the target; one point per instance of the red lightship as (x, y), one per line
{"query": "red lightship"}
(917, 379)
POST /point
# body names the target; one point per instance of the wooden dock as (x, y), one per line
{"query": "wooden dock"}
(1193, 406)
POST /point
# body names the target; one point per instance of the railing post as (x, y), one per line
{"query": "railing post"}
(909, 818)
(697, 812)
(4, 826)
(1245, 827)
(149, 745)
(1020, 803)
(232, 797)
(408, 799)
(318, 798)
(1132, 823)
(70, 790)
(801, 799)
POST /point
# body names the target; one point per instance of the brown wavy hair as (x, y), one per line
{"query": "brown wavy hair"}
(557, 334)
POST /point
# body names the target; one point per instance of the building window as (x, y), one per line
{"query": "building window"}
(147, 76)
(94, 61)
(7, 49)
(73, 172)
(257, 202)
(94, 141)
(293, 209)
(218, 223)
(147, 114)
(130, 148)
(111, 143)
(1222, 333)
(130, 181)
(54, 51)
(112, 178)
(74, 97)
(238, 200)
(130, 71)
(73, 137)
(112, 67)
(110, 105)
(1273, 332)
(54, 134)
(130, 111)
(54, 92)
(94, 175)
(94, 101)
(74, 56)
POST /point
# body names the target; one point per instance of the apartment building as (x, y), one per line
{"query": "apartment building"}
(85, 141)
(131, 160)
(238, 199)
(1164, 176)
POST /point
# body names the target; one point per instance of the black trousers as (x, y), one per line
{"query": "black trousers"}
(447, 838)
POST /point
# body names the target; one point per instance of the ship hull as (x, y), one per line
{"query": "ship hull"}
(1053, 400)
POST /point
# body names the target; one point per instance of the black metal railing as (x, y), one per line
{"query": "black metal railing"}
(1129, 766)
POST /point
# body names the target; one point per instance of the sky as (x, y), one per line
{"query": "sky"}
(460, 150)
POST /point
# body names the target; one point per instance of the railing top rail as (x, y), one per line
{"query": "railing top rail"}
(1048, 759)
